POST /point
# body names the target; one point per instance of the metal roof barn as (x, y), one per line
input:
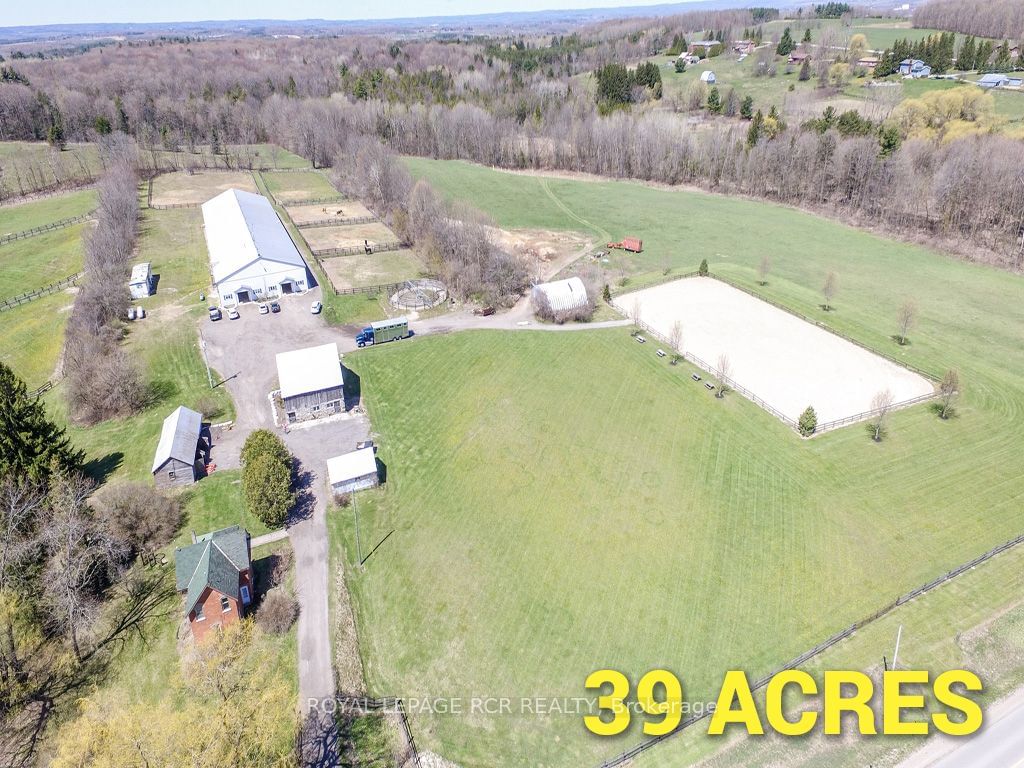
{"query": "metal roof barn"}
(251, 253)
(309, 370)
(176, 453)
(352, 471)
(563, 295)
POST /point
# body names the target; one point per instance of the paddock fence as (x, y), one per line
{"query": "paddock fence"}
(25, 298)
(363, 704)
(352, 250)
(624, 757)
(337, 222)
(43, 228)
(339, 198)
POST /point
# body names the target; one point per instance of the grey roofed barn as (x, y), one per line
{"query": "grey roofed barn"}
(179, 438)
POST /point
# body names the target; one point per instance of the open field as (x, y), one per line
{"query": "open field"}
(373, 269)
(29, 166)
(299, 185)
(33, 335)
(347, 236)
(172, 241)
(25, 216)
(38, 261)
(785, 361)
(343, 209)
(600, 481)
(231, 156)
(181, 188)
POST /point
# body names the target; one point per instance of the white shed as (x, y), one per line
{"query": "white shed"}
(562, 295)
(707, 76)
(252, 256)
(353, 471)
(140, 284)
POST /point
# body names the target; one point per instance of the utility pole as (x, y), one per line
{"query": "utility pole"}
(355, 512)
(206, 359)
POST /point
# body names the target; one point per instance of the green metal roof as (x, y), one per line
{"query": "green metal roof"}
(215, 561)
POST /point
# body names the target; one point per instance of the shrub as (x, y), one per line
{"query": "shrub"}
(277, 612)
(342, 500)
(703, 269)
(264, 441)
(808, 422)
(606, 294)
(139, 515)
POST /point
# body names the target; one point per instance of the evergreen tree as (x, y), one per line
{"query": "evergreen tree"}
(807, 35)
(747, 108)
(754, 132)
(714, 100)
(680, 66)
(31, 446)
(984, 54)
(968, 52)
(702, 270)
(102, 125)
(1003, 58)
(805, 71)
(786, 44)
(808, 422)
(888, 140)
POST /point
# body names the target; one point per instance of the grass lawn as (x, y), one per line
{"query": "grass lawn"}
(578, 503)
(18, 218)
(169, 354)
(216, 502)
(33, 336)
(244, 155)
(172, 241)
(299, 185)
(38, 261)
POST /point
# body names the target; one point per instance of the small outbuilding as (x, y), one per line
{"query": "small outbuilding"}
(561, 295)
(179, 454)
(353, 471)
(707, 76)
(214, 573)
(312, 384)
(140, 284)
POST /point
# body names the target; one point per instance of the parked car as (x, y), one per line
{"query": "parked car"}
(263, 308)
(215, 313)
(275, 306)
(233, 314)
(316, 307)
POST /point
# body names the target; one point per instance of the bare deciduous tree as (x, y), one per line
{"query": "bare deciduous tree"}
(763, 269)
(829, 289)
(724, 372)
(881, 405)
(949, 391)
(906, 317)
(675, 339)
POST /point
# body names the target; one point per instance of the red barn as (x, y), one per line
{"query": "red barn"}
(631, 244)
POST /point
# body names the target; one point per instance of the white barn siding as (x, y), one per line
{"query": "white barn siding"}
(562, 295)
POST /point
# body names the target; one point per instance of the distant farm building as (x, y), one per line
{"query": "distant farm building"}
(688, 58)
(179, 454)
(868, 62)
(140, 284)
(798, 57)
(707, 76)
(215, 575)
(703, 48)
(312, 384)
(744, 47)
(252, 257)
(914, 68)
(1001, 81)
(631, 244)
(353, 471)
(561, 295)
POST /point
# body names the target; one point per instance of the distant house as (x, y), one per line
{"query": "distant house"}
(707, 76)
(743, 47)
(868, 62)
(215, 575)
(688, 59)
(914, 68)
(702, 48)
(353, 471)
(140, 284)
(994, 81)
(179, 454)
(798, 57)
(312, 384)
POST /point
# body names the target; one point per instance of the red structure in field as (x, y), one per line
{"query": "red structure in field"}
(631, 244)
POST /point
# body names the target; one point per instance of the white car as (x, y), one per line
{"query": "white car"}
(263, 308)
(232, 314)
(316, 307)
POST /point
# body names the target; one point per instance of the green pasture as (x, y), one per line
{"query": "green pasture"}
(299, 185)
(25, 216)
(36, 262)
(561, 502)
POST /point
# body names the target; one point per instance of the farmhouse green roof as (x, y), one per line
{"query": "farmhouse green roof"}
(214, 561)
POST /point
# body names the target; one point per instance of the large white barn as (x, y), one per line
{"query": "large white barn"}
(252, 257)
(562, 295)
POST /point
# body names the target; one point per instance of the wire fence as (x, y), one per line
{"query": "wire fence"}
(25, 298)
(363, 704)
(803, 658)
(43, 228)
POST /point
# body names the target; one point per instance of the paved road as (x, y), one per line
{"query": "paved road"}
(999, 744)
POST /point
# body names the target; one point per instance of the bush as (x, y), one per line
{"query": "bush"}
(342, 500)
(139, 515)
(703, 269)
(808, 422)
(277, 612)
(267, 489)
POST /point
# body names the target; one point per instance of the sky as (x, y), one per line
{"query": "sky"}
(110, 11)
